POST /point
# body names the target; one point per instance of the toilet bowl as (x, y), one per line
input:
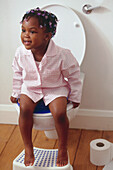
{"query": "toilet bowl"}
(70, 34)
(43, 119)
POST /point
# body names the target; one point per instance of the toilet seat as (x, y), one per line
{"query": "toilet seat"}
(70, 32)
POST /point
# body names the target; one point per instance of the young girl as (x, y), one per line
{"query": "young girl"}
(40, 67)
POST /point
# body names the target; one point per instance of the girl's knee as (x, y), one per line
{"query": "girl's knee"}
(58, 109)
(60, 117)
(25, 111)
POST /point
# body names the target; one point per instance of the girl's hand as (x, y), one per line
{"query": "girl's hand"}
(14, 100)
(75, 104)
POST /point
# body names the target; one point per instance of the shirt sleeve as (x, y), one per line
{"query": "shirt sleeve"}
(71, 71)
(17, 77)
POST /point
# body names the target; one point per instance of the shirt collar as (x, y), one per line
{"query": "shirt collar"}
(52, 49)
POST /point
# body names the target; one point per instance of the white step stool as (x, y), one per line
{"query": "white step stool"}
(45, 159)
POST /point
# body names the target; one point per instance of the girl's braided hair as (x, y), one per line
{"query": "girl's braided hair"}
(45, 19)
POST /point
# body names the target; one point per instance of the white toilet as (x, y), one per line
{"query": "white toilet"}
(70, 34)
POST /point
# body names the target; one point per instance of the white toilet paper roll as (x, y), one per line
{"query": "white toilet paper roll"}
(101, 152)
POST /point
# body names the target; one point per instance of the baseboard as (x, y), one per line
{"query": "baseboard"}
(85, 118)
(93, 120)
(8, 114)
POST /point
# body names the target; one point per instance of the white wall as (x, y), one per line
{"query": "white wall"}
(98, 61)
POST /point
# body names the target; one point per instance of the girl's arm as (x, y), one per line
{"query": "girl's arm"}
(71, 70)
(17, 80)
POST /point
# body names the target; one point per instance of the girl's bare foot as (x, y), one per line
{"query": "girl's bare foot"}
(62, 158)
(29, 157)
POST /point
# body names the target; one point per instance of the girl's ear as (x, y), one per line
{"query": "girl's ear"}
(48, 36)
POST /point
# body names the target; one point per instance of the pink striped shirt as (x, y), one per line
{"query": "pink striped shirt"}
(47, 79)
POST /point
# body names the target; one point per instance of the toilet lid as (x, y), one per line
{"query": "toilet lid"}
(70, 33)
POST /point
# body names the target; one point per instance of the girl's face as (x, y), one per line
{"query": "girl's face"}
(32, 36)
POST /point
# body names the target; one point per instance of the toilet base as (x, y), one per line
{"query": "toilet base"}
(51, 134)
(44, 159)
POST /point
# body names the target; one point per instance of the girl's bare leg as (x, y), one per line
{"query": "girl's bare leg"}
(58, 109)
(27, 107)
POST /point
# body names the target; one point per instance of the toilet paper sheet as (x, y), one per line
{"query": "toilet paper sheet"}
(101, 153)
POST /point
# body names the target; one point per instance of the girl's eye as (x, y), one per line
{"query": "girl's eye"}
(23, 30)
(32, 32)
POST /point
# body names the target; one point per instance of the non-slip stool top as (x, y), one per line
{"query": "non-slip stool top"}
(45, 159)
